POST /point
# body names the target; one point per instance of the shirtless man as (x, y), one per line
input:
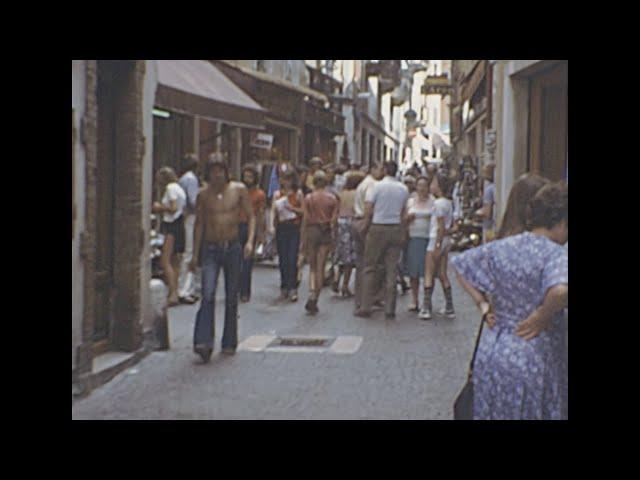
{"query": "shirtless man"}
(216, 246)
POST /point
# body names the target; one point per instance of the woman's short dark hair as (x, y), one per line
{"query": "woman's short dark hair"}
(549, 206)
(290, 175)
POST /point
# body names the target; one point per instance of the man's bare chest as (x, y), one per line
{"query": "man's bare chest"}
(218, 203)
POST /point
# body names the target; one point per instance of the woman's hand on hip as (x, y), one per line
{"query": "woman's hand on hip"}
(533, 325)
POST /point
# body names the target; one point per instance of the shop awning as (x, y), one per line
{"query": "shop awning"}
(196, 87)
(300, 89)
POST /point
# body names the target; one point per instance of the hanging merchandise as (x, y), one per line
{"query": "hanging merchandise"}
(274, 183)
(265, 176)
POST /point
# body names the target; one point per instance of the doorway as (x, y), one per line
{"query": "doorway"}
(108, 94)
(548, 134)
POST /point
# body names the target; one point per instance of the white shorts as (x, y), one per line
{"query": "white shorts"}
(446, 241)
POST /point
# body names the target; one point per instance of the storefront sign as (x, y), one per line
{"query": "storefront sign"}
(436, 85)
(261, 140)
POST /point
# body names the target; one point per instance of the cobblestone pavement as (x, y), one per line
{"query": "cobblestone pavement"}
(407, 369)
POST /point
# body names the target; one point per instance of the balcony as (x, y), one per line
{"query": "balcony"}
(388, 73)
(323, 83)
(325, 119)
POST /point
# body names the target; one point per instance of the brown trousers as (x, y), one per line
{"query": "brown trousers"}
(359, 239)
(383, 244)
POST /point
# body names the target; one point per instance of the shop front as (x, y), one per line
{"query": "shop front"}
(199, 110)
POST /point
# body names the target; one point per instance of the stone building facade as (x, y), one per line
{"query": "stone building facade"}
(530, 122)
(514, 113)
(111, 106)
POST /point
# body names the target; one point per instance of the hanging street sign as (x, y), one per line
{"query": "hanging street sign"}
(437, 85)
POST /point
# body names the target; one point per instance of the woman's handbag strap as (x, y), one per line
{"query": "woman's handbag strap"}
(475, 348)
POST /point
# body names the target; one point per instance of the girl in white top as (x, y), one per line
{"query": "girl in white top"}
(419, 213)
(438, 249)
(172, 207)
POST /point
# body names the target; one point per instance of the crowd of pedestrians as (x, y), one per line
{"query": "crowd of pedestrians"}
(386, 227)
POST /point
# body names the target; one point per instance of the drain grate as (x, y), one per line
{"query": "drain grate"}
(346, 344)
(301, 342)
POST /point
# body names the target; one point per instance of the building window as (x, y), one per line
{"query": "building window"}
(261, 67)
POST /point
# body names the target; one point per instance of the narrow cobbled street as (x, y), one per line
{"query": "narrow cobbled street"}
(407, 369)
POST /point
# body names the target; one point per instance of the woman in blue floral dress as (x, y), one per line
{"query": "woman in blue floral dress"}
(520, 371)
(344, 254)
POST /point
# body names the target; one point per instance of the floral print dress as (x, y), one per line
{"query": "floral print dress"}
(516, 379)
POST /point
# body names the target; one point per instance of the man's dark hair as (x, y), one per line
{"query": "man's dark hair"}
(253, 169)
(217, 160)
(374, 165)
(353, 181)
(189, 163)
(549, 206)
(341, 169)
(390, 168)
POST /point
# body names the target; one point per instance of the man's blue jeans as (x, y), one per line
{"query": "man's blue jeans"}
(246, 266)
(214, 258)
(288, 242)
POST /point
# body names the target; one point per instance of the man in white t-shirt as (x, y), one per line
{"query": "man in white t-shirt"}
(375, 174)
(384, 230)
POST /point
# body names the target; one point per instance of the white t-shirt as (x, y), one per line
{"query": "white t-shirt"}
(173, 192)
(420, 226)
(388, 196)
(282, 211)
(442, 208)
(361, 194)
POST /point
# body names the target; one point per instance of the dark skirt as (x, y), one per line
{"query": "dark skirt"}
(416, 253)
(175, 228)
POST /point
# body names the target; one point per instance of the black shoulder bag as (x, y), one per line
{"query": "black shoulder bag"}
(463, 406)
